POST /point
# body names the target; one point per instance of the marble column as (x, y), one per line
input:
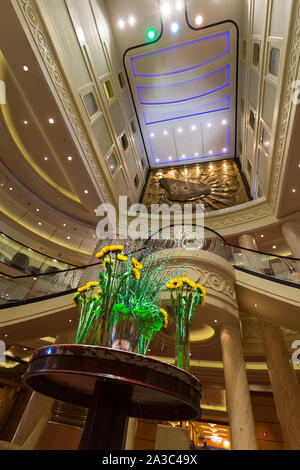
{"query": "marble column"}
(284, 384)
(38, 404)
(291, 233)
(251, 260)
(238, 401)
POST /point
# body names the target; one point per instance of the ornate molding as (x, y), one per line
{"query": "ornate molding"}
(47, 53)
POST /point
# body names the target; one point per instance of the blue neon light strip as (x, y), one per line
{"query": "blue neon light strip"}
(184, 83)
(191, 115)
(227, 34)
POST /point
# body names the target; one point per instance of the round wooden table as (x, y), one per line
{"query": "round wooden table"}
(114, 385)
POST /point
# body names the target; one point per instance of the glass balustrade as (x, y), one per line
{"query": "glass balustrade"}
(26, 260)
(54, 281)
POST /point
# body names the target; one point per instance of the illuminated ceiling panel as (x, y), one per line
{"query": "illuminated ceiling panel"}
(184, 91)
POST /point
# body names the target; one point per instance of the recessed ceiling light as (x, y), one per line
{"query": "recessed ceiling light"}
(51, 121)
(262, 236)
(224, 122)
(293, 190)
(25, 68)
(299, 165)
(38, 210)
(209, 124)
(131, 20)
(158, 160)
(26, 123)
(274, 247)
(183, 156)
(199, 20)
(174, 27)
(215, 321)
(170, 158)
(179, 130)
(68, 238)
(196, 154)
(194, 128)
(45, 158)
(224, 149)
(165, 132)
(10, 189)
(179, 5)
(255, 305)
(5, 336)
(121, 24)
(210, 152)
(70, 321)
(40, 223)
(24, 349)
(166, 9)
(70, 158)
(35, 278)
(152, 135)
(86, 191)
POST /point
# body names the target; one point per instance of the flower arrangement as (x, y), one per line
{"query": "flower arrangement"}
(186, 295)
(120, 310)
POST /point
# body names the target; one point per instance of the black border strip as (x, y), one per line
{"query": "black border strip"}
(36, 299)
(267, 278)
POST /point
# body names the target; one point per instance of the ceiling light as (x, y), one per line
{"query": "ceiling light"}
(224, 122)
(170, 158)
(5, 336)
(10, 189)
(51, 121)
(262, 236)
(174, 27)
(293, 190)
(255, 305)
(121, 24)
(25, 68)
(68, 238)
(274, 247)
(165, 9)
(40, 223)
(24, 349)
(226, 444)
(70, 158)
(183, 156)
(210, 152)
(196, 154)
(165, 132)
(209, 124)
(26, 123)
(199, 20)
(131, 20)
(158, 160)
(86, 191)
(35, 278)
(45, 158)
(215, 321)
(65, 225)
(38, 210)
(151, 34)
(179, 5)
(194, 128)
(152, 135)
(224, 150)
(180, 130)
(299, 165)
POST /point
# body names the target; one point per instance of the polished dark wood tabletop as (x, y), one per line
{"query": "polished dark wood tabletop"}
(113, 384)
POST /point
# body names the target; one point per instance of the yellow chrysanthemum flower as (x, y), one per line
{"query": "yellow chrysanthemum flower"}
(174, 284)
(165, 315)
(187, 281)
(99, 291)
(100, 254)
(95, 296)
(137, 264)
(93, 284)
(83, 289)
(137, 273)
(122, 257)
(201, 289)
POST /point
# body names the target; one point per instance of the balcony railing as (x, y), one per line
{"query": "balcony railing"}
(15, 290)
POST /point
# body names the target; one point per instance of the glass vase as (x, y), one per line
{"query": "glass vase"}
(125, 332)
(182, 347)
